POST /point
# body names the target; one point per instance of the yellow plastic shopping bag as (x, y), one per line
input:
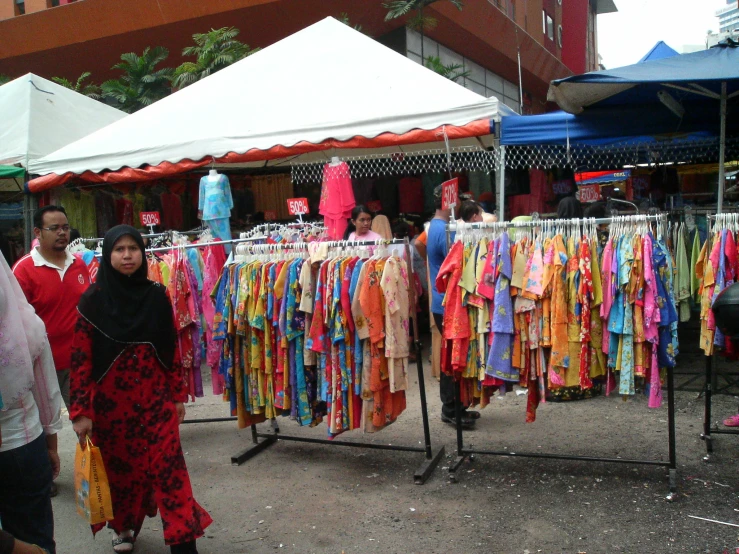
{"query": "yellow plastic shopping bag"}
(91, 488)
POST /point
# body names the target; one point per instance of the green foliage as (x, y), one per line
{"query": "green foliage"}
(400, 8)
(140, 84)
(91, 90)
(344, 18)
(453, 72)
(4, 79)
(214, 50)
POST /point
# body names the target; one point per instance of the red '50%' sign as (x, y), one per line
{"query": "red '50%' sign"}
(149, 218)
(449, 193)
(297, 206)
(590, 193)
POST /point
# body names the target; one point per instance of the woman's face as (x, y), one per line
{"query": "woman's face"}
(362, 223)
(477, 218)
(126, 257)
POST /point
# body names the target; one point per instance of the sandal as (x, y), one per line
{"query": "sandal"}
(732, 421)
(124, 543)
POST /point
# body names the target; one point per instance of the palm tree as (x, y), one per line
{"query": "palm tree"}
(453, 72)
(141, 84)
(344, 18)
(214, 50)
(91, 90)
(401, 8)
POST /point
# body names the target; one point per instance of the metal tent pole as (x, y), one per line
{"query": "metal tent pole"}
(501, 184)
(722, 151)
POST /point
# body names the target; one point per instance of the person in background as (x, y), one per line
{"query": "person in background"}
(470, 212)
(30, 419)
(569, 208)
(437, 252)
(128, 394)
(53, 281)
(74, 234)
(359, 228)
(598, 210)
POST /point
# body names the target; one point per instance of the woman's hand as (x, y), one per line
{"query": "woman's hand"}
(180, 408)
(83, 427)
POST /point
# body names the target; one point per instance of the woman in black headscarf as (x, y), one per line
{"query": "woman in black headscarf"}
(127, 394)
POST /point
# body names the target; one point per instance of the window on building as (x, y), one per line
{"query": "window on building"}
(559, 36)
(548, 26)
(52, 3)
(20, 7)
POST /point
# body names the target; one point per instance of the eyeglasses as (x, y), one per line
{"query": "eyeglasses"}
(56, 228)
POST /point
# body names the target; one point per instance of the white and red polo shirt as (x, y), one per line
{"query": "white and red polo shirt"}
(54, 292)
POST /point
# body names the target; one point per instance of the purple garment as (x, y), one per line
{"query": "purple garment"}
(501, 350)
(196, 330)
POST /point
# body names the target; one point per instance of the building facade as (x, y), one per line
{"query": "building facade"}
(504, 47)
(728, 17)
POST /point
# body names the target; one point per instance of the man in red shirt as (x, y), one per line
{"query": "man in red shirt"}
(53, 281)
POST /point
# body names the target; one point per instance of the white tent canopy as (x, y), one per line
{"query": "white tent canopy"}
(38, 117)
(326, 82)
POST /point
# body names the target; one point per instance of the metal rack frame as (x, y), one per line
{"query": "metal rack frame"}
(431, 460)
(464, 452)
(710, 383)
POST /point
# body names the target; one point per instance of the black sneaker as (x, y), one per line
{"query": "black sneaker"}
(467, 421)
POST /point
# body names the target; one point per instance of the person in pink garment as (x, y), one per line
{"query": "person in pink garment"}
(360, 226)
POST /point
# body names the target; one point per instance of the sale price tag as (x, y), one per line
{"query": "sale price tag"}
(297, 206)
(590, 193)
(449, 194)
(149, 218)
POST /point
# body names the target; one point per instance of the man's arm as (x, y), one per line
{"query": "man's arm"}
(10, 545)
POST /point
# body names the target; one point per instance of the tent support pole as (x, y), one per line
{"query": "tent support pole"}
(722, 152)
(501, 184)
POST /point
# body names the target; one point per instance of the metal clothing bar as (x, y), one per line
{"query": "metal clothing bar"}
(671, 464)
(431, 460)
(202, 244)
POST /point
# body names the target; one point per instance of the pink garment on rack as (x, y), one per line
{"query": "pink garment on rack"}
(337, 198)
(214, 258)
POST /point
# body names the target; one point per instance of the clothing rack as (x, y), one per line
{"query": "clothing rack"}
(710, 374)
(465, 452)
(431, 459)
(203, 245)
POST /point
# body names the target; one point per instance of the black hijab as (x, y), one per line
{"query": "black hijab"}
(126, 309)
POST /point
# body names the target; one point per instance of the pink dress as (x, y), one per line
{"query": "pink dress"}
(337, 199)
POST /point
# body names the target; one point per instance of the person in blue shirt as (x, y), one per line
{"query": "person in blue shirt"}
(436, 251)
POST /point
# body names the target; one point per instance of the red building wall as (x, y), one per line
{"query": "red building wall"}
(575, 34)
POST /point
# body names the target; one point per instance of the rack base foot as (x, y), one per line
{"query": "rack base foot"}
(458, 461)
(427, 468)
(709, 446)
(672, 495)
(252, 451)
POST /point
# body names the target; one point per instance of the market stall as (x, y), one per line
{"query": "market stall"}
(38, 117)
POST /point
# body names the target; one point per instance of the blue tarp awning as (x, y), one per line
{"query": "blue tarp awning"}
(687, 77)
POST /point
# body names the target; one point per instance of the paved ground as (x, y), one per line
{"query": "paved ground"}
(313, 498)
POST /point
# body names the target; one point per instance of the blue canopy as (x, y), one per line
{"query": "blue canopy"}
(688, 77)
(659, 51)
(598, 126)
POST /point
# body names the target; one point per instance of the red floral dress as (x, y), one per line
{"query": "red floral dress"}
(135, 426)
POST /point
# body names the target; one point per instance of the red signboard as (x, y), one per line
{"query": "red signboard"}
(374, 205)
(590, 193)
(297, 206)
(449, 193)
(149, 218)
(270, 215)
